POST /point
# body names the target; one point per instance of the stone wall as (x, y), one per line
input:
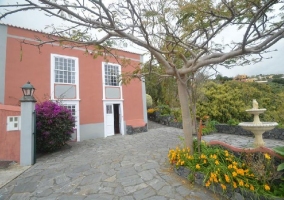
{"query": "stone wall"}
(168, 120)
(132, 130)
(276, 133)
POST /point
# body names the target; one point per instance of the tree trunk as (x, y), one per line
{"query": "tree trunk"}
(186, 117)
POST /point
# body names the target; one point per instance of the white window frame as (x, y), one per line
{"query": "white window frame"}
(77, 115)
(76, 84)
(52, 75)
(103, 79)
(11, 124)
(119, 73)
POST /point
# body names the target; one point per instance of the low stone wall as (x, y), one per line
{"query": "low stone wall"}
(168, 120)
(276, 133)
(132, 130)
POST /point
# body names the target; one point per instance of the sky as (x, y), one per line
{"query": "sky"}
(36, 20)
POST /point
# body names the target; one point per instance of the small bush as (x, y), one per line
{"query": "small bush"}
(209, 127)
(54, 126)
(233, 122)
(164, 109)
(149, 101)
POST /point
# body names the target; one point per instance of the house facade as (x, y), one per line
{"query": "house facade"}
(88, 86)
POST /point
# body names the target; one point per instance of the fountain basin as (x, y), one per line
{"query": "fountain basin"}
(258, 129)
(256, 111)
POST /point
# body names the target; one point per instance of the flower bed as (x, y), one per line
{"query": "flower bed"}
(250, 175)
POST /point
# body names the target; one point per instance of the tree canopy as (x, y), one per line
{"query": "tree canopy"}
(182, 36)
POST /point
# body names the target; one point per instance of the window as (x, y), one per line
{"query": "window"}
(111, 75)
(64, 70)
(72, 108)
(13, 123)
(109, 109)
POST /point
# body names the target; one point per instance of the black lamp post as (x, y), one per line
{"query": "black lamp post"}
(28, 91)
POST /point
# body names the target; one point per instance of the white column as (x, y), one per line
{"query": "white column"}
(27, 130)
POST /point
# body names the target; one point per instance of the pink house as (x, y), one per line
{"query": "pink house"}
(89, 86)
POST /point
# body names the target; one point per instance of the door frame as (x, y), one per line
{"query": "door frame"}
(121, 119)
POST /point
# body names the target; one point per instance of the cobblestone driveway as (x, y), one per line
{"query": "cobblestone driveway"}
(119, 167)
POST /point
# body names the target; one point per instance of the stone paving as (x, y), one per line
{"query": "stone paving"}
(118, 167)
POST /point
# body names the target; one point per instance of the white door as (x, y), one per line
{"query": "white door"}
(109, 120)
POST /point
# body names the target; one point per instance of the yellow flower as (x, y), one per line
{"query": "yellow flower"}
(240, 171)
(182, 163)
(267, 156)
(227, 178)
(251, 188)
(197, 166)
(217, 162)
(266, 187)
(247, 185)
(190, 157)
(203, 156)
(204, 161)
(207, 184)
(241, 183)
(223, 186)
(230, 166)
(234, 184)
(234, 174)
(213, 156)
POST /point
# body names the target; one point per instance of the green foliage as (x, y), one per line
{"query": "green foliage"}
(209, 127)
(149, 101)
(54, 126)
(177, 114)
(280, 150)
(278, 80)
(227, 102)
(233, 122)
(164, 109)
(163, 90)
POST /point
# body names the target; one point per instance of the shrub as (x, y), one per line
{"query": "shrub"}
(149, 101)
(164, 109)
(54, 126)
(209, 127)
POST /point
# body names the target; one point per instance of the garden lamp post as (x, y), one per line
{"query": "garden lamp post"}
(27, 153)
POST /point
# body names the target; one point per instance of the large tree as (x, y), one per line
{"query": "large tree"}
(180, 35)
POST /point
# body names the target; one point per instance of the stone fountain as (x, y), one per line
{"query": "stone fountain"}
(257, 127)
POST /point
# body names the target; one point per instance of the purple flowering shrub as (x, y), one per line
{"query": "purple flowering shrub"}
(54, 126)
